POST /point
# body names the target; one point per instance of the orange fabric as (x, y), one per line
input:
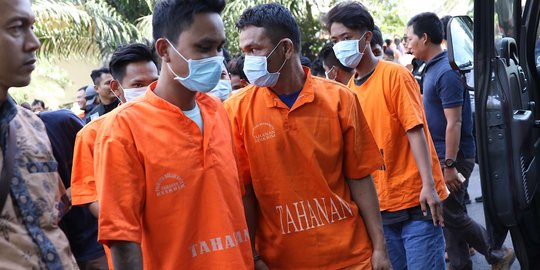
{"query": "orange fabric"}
(392, 104)
(364, 265)
(298, 161)
(83, 186)
(170, 188)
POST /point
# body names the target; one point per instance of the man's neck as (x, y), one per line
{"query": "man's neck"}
(433, 51)
(367, 64)
(106, 102)
(294, 82)
(175, 93)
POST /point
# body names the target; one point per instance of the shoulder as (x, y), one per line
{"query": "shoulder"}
(235, 102)
(324, 88)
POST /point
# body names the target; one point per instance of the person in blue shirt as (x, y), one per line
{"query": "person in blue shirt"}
(448, 110)
(79, 225)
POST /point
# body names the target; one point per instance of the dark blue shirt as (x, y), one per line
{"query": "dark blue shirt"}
(290, 99)
(444, 89)
(79, 225)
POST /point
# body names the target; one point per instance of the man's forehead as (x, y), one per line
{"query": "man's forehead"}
(11, 9)
(253, 35)
(208, 27)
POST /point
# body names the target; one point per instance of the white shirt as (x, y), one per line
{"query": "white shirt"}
(195, 115)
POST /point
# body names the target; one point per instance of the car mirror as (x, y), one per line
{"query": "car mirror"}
(460, 43)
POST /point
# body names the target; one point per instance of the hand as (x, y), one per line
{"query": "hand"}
(451, 179)
(380, 260)
(429, 196)
(261, 265)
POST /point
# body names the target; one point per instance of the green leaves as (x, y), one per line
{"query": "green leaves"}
(80, 28)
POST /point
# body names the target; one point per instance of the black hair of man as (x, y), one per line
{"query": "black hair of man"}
(305, 61)
(127, 54)
(377, 37)
(317, 68)
(236, 67)
(38, 102)
(172, 17)
(352, 15)
(277, 21)
(427, 23)
(329, 58)
(96, 74)
(397, 41)
(226, 56)
(445, 20)
(388, 42)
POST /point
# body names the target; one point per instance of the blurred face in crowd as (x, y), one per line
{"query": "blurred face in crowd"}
(18, 43)
(377, 51)
(237, 82)
(37, 108)
(81, 98)
(103, 88)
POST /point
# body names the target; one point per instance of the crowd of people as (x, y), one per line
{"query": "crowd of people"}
(186, 158)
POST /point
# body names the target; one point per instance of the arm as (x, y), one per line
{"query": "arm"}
(94, 208)
(452, 138)
(428, 195)
(365, 196)
(250, 210)
(126, 255)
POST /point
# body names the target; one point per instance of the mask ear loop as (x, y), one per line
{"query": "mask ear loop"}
(117, 97)
(285, 61)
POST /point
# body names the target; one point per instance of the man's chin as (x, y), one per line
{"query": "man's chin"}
(21, 82)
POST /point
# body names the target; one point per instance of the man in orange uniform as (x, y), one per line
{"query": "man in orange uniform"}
(306, 154)
(410, 185)
(166, 164)
(133, 67)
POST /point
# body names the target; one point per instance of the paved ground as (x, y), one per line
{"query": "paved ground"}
(476, 211)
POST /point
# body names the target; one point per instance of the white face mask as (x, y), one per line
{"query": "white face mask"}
(133, 93)
(204, 74)
(222, 90)
(256, 70)
(347, 52)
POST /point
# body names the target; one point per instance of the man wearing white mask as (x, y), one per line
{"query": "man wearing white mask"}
(305, 155)
(169, 192)
(410, 185)
(133, 67)
(224, 88)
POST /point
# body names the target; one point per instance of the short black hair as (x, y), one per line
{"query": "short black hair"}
(127, 54)
(305, 61)
(172, 17)
(377, 37)
(388, 42)
(317, 67)
(352, 15)
(38, 102)
(427, 23)
(96, 74)
(236, 67)
(329, 58)
(277, 21)
(445, 20)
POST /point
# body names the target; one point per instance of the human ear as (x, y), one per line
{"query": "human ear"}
(162, 47)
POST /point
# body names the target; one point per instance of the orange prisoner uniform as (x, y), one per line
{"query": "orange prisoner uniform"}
(83, 185)
(391, 101)
(297, 161)
(166, 185)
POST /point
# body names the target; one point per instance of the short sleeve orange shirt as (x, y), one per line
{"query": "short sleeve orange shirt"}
(298, 161)
(83, 185)
(165, 185)
(392, 104)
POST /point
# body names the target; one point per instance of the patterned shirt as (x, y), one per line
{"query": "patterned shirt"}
(29, 235)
